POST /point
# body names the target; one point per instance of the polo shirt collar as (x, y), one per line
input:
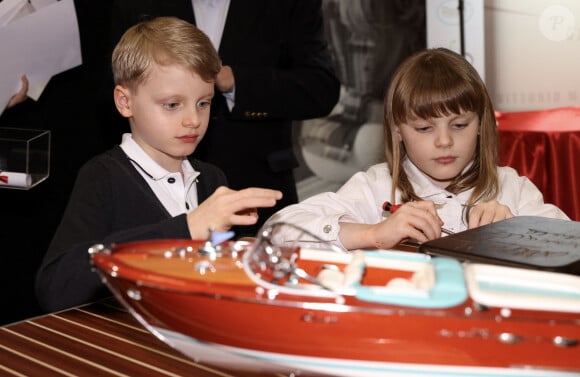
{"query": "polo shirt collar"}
(148, 165)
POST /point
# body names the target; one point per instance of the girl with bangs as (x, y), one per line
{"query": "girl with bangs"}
(441, 170)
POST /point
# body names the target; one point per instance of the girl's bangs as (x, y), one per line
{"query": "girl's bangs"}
(436, 96)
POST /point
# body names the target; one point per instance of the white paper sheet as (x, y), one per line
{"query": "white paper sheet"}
(11, 10)
(40, 44)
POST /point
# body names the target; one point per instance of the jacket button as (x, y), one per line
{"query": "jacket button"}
(327, 228)
(171, 180)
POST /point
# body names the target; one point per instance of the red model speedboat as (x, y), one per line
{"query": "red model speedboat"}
(256, 305)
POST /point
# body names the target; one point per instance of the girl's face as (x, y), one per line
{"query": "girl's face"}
(440, 147)
(168, 113)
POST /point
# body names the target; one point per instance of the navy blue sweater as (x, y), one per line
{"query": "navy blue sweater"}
(110, 203)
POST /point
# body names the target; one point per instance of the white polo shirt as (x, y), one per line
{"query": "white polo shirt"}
(177, 194)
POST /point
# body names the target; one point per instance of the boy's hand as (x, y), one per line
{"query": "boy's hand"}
(487, 213)
(226, 208)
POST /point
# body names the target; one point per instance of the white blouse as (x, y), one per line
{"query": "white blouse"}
(361, 198)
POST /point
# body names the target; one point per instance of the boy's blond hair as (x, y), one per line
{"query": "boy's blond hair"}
(164, 41)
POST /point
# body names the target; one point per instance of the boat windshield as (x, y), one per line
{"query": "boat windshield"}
(273, 256)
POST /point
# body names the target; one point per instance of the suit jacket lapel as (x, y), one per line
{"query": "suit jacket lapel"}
(241, 15)
(176, 8)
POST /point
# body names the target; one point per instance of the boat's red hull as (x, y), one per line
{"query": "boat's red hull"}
(242, 316)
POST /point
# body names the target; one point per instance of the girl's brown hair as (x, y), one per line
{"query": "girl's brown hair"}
(164, 41)
(434, 83)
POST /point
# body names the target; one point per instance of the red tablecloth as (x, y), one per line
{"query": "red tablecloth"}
(545, 146)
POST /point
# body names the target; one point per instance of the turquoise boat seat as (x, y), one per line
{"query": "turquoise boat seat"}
(440, 283)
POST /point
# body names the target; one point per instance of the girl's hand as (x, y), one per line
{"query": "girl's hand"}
(226, 208)
(487, 213)
(414, 220)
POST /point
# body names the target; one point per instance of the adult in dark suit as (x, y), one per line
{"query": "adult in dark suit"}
(283, 72)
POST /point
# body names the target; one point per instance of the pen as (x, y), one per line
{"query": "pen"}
(391, 208)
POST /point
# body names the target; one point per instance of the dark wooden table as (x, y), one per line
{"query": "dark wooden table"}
(100, 339)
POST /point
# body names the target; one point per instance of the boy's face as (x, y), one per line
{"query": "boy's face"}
(168, 113)
(441, 147)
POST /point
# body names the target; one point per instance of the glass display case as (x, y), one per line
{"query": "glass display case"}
(24, 157)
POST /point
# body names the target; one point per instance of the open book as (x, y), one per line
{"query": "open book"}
(522, 241)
